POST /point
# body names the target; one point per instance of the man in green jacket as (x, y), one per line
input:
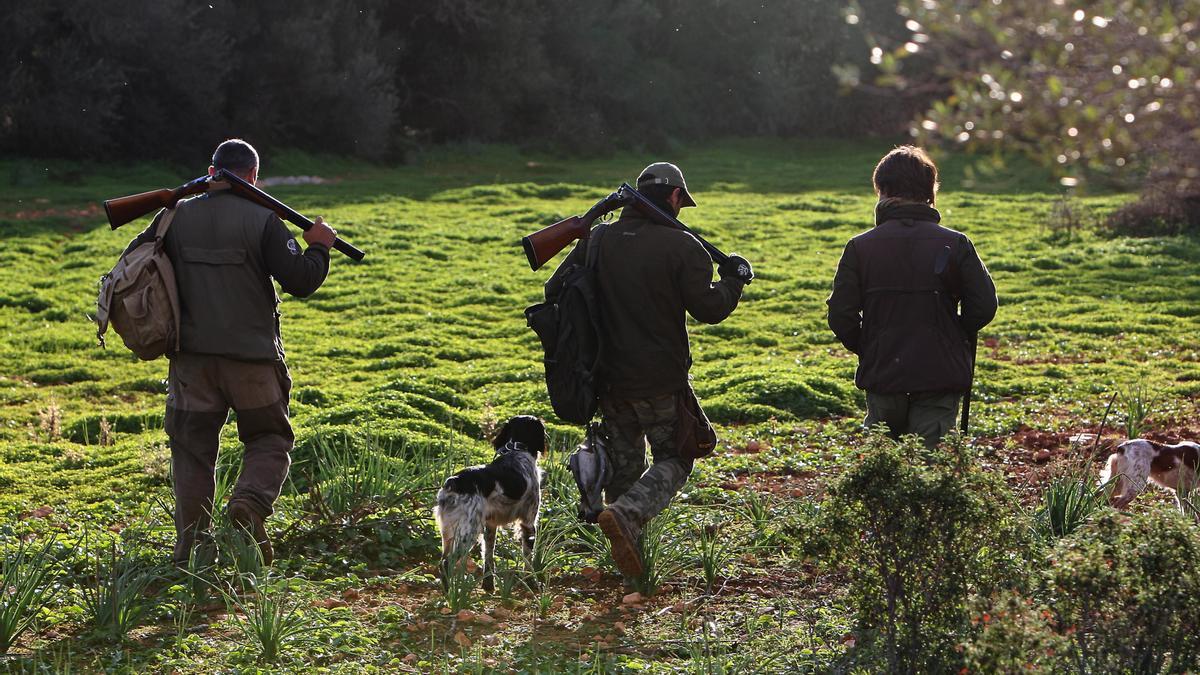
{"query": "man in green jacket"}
(650, 276)
(225, 251)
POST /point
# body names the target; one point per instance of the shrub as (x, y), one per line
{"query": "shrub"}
(1013, 635)
(918, 532)
(1124, 593)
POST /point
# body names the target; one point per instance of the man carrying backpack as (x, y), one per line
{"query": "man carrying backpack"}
(225, 251)
(649, 277)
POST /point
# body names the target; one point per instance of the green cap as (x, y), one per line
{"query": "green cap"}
(665, 173)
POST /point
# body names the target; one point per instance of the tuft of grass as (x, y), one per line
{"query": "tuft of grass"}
(26, 586)
(269, 618)
(357, 476)
(713, 554)
(458, 584)
(661, 555)
(1067, 503)
(116, 597)
(1136, 404)
(756, 510)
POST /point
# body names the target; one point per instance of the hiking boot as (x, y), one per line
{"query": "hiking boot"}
(622, 537)
(248, 520)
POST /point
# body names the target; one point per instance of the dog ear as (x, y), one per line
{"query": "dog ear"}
(503, 435)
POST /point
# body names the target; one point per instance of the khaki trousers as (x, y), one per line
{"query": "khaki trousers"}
(928, 415)
(636, 492)
(201, 389)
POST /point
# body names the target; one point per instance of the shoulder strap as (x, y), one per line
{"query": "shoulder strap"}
(593, 248)
(164, 223)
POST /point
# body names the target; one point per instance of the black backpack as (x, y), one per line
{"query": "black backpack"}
(569, 329)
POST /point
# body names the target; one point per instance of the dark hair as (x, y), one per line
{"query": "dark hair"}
(657, 193)
(235, 155)
(525, 429)
(907, 173)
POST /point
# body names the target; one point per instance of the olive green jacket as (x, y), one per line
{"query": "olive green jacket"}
(225, 251)
(650, 277)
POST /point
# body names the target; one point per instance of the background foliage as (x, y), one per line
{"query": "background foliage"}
(372, 78)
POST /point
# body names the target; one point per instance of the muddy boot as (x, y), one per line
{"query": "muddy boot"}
(248, 520)
(623, 540)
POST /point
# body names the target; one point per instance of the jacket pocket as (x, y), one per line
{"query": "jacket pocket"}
(214, 256)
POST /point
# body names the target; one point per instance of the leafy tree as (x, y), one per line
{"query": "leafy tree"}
(1103, 90)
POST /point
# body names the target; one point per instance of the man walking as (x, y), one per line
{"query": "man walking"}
(908, 298)
(225, 251)
(650, 276)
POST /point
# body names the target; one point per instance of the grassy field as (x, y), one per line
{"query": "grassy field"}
(416, 353)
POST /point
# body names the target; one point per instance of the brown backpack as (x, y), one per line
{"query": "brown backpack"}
(139, 297)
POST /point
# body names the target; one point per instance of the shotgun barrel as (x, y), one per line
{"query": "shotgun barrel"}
(245, 190)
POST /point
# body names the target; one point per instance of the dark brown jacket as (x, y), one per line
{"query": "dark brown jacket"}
(225, 251)
(649, 277)
(892, 308)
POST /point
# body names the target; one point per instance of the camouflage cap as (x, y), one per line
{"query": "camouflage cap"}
(665, 173)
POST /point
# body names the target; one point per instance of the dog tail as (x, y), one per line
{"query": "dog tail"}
(460, 520)
(1111, 469)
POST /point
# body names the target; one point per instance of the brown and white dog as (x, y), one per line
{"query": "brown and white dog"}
(1137, 462)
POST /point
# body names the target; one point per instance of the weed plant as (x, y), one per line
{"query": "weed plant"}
(270, 617)
(662, 555)
(1136, 403)
(27, 584)
(1068, 502)
(361, 475)
(713, 554)
(458, 583)
(116, 596)
(757, 511)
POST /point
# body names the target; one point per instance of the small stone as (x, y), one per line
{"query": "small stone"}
(462, 639)
(1041, 456)
(350, 594)
(619, 627)
(410, 658)
(632, 599)
(465, 615)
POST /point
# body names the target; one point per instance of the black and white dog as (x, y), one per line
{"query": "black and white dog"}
(475, 501)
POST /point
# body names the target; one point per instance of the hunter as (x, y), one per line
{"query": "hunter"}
(649, 276)
(908, 298)
(225, 251)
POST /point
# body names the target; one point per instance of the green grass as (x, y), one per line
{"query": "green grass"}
(422, 348)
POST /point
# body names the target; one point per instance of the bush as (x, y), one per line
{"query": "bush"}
(1124, 593)
(919, 533)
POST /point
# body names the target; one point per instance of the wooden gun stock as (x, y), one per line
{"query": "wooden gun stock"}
(123, 210)
(544, 244)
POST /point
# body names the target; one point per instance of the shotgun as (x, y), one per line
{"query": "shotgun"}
(544, 244)
(122, 210)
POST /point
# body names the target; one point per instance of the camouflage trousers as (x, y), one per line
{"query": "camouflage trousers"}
(201, 389)
(929, 415)
(637, 492)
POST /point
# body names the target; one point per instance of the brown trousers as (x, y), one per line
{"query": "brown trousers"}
(201, 389)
